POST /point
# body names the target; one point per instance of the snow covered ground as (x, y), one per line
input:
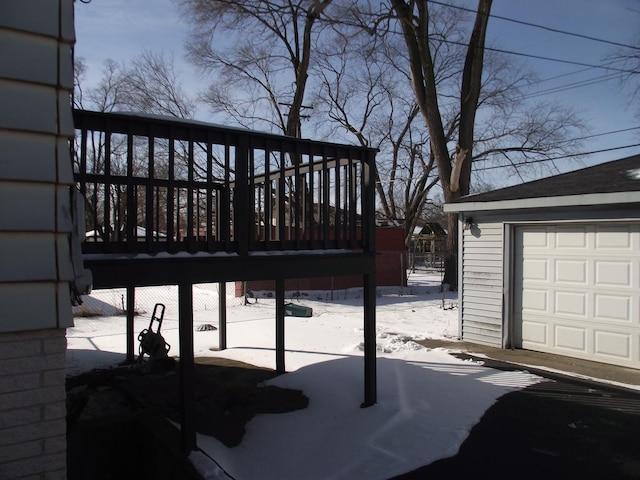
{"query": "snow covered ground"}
(428, 400)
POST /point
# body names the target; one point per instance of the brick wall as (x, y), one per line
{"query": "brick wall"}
(33, 416)
(36, 81)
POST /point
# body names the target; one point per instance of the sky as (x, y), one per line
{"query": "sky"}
(428, 400)
(120, 29)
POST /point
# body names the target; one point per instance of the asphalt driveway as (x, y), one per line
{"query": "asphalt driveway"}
(560, 428)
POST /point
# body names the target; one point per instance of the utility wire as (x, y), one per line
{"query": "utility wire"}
(568, 74)
(569, 86)
(542, 27)
(549, 59)
(612, 132)
(511, 52)
(541, 160)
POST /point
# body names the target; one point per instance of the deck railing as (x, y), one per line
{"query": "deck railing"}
(155, 184)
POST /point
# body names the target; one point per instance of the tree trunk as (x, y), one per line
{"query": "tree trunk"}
(301, 67)
(454, 178)
(469, 95)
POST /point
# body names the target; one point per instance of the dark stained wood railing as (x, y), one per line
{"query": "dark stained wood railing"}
(181, 202)
(155, 184)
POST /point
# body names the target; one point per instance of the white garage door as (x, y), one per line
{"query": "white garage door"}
(577, 291)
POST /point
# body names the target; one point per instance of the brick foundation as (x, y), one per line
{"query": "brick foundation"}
(32, 396)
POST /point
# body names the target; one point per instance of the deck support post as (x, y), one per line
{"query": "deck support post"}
(131, 305)
(186, 368)
(222, 316)
(370, 374)
(280, 368)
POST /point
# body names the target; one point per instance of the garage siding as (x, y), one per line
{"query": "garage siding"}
(482, 284)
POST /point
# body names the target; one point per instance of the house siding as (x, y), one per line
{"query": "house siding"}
(482, 281)
(36, 81)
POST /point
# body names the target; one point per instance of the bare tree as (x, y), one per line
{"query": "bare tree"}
(455, 176)
(363, 96)
(364, 92)
(628, 60)
(470, 101)
(267, 54)
(260, 51)
(149, 84)
(79, 76)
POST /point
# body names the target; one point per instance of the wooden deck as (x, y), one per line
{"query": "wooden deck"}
(169, 193)
(174, 202)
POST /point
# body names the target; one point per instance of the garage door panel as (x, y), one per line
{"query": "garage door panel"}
(571, 237)
(578, 290)
(535, 269)
(613, 308)
(613, 273)
(534, 300)
(570, 303)
(616, 345)
(570, 338)
(614, 237)
(535, 333)
(571, 271)
(534, 237)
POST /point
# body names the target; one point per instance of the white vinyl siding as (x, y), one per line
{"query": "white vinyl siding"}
(36, 81)
(482, 284)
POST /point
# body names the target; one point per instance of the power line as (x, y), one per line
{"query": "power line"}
(541, 160)
(549, 59)
(612, 132)
(542, 27)
(569, 86)
(511, 52)
(562, 75)
(568, 74)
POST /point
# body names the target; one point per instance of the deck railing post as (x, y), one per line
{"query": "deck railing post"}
(369, 203)
(370, 370)
(369, 281)
(186, 367)
(280, 286)
(131, 303)
(241, 213)
(222, 316)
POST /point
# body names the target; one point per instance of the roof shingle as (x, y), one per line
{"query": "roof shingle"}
(617, 176)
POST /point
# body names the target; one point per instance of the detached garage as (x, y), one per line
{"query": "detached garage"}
(554, 265)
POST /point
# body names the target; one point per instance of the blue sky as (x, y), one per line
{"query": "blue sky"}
(120, 29)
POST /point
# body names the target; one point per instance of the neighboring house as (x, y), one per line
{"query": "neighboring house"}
(554, 265)
(428, 244)
(36, 80)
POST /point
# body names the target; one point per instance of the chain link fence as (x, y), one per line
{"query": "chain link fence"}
(394, 269)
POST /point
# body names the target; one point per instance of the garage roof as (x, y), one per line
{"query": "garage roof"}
(611, 182)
